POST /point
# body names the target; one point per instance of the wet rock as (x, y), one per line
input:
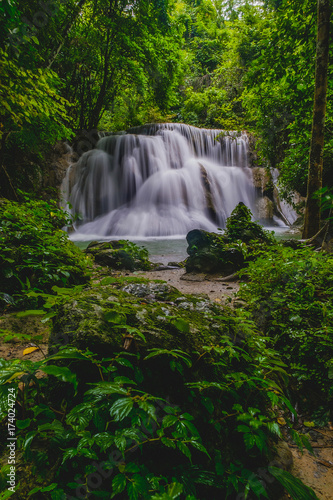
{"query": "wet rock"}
(262, 179)
(265, 208)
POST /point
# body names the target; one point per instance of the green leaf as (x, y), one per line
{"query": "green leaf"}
(169, 420)
(121, 408)
(63, 373)
(132, 467)
(208, 404)
(199, 446)
(31, 312)
(69, 453)
(118, 484)
(137, 487)
(106, 388)
(120, 442)
(23, 424)
(168, 442)
(69, 354)
(148, 408)
(184, 449)
(50, 487)
(31, 492)
(181, 325)
(28, 439)
(257, 487)
(174, 490)
(243, 428)
(115, 317)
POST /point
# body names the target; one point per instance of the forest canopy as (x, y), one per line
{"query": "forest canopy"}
(68, 66)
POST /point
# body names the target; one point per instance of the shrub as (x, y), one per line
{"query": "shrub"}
(34, 252)
(290, 294)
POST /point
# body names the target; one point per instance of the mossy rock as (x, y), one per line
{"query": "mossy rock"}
(239, 226)
(211, 253)
(101, 318)
(120, 254)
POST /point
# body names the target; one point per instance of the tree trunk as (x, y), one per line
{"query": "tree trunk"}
(65, 33)
(312, 209)
(327, 244)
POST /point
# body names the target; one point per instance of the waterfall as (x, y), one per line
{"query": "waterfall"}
(160, 180)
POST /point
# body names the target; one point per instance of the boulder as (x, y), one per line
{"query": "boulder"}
(265, 208)
(208, 254)
(262, 180)
(239, 226)
(136, 316)
(224, 254)
(120, 254)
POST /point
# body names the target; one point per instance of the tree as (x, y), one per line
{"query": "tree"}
(312, 209)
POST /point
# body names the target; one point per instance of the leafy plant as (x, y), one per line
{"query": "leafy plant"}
(290, 296)
(35, 254)
(110, 421)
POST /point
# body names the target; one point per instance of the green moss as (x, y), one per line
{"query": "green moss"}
(100, 317)
(121, 254)
(239, 226)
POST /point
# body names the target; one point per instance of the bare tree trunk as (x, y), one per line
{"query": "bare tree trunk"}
(312, 209)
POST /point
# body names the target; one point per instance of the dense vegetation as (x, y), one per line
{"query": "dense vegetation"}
(148, 393)
(73, 66)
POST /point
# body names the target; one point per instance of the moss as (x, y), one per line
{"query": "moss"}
(121, 254)
(239, 226)
(101, 316)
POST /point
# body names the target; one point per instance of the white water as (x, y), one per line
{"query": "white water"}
(159, 180)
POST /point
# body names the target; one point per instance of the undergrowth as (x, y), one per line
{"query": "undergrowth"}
(35, 254)
(290, 295)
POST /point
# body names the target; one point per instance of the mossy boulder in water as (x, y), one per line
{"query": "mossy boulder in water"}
(224, 254)
(239, 226)
(210, 253)
(120, 254)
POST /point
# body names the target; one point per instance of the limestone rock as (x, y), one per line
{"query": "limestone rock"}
(265, 208)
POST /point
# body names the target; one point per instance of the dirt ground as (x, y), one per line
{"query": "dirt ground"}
(314, 470)
(215, 287)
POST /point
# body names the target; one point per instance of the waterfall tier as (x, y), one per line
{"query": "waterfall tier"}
(160, 180)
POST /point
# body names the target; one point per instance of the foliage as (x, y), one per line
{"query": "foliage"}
(290, 295)
(35, 254)
(239, 226)
(31, 107)
(120, 254)
(118, 434)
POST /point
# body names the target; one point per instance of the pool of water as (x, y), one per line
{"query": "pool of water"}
(165, 250)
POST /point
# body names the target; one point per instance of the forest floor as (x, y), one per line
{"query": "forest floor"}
(315, 470)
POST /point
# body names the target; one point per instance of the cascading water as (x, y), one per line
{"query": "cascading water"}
(160, 180)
